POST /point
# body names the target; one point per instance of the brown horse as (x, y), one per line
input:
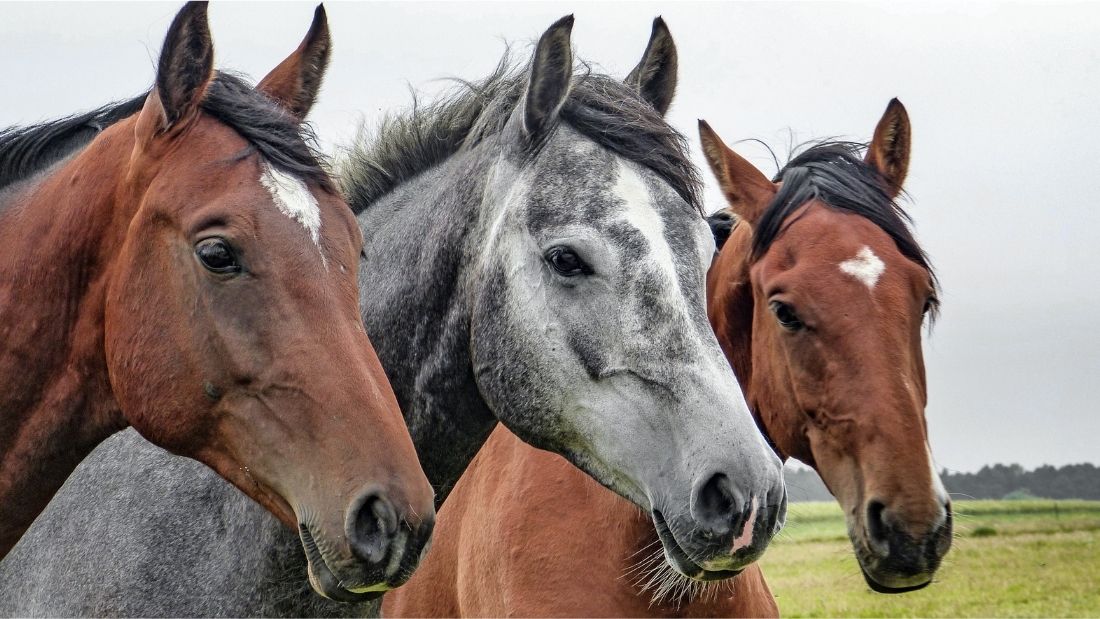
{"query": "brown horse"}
(817, 298)
(182, 263)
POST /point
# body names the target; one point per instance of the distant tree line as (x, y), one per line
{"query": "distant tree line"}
(999, 481)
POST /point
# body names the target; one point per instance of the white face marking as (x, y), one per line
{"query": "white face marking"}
(937, 483)
(744, 539)
(630, 187)
(866, 267)
(294, 200)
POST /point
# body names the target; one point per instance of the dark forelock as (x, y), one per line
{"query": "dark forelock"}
(836, 174)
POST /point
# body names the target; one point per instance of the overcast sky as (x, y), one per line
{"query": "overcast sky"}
(1004, 178)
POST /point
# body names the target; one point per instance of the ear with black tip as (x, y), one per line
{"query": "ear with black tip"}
(551, 74)
(889, 150)
(186, 65)
(655, 76)
(295, 82)
(746, 189)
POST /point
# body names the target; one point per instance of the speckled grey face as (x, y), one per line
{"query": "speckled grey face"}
(589, 332)
(592, 340)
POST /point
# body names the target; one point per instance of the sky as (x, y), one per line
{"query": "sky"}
(1004, 180)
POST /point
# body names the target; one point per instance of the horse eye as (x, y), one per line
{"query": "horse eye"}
(929, 304)
(785, 315)
(566, 262)
(217, 256)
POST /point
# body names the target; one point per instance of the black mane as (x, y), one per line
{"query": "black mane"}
(24, 151)
(721, 225)
(835, 173)
(273, 132)
(600, 107)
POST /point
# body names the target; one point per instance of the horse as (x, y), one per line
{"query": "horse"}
(534, 254)
(817, 298)
(182, 263)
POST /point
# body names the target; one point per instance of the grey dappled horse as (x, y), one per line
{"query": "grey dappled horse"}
(534, 254)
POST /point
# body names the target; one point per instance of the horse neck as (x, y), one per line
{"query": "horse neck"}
(57, 235)
(420, 242)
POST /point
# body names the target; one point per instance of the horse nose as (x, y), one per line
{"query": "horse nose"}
(370, 526)
(878, 532)
(777, 508)
(886, 537)
(717, 506)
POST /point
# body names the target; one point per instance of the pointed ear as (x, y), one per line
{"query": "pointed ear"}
(185, 68)
(889, 150)
(295, 82)
(747, 190)
(655, 76)
(551, 73)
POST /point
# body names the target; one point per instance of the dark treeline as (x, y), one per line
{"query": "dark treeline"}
(999, 481)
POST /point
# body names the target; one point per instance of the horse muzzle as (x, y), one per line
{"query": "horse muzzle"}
(893, 561)
(385, 550)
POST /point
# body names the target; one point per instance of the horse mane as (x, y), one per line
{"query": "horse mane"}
(721, 225)
(835, 173)
(24, 151)
(602, 108)
(274, 133)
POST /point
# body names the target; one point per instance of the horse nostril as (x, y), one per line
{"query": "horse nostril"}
(370, 526)
(717, 506)
(779, 515)
(877, 530)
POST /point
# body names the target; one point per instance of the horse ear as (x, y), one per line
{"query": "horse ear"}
(295, 82)
(889, 150)
(655, 76)
(747, 190)
(185, 68)
(551, 73)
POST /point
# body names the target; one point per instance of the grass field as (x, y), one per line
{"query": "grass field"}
(1035, 558)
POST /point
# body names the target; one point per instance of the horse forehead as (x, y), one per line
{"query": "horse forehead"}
(294, 199)
(650, 206)
(581, 182)
(849, 243)
(866, 267)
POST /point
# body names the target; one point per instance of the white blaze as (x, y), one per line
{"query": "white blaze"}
(294, 200)
(630, 187)
(866, 267)
(937, 483)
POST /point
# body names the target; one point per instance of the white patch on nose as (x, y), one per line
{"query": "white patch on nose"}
(294, 200)
(866, 267)
(744, 539)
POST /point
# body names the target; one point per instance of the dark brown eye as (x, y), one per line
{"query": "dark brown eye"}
(566, 262)
(785, 315)
(217, 256)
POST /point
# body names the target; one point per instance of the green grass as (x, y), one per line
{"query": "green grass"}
(1028, 558)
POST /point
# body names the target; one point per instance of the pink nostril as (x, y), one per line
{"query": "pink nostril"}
(744, 540)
